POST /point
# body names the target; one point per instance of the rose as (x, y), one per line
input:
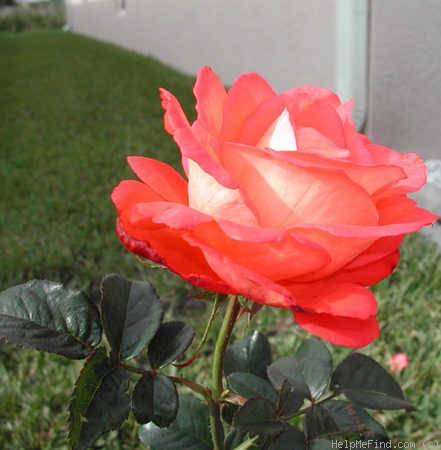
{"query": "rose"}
(398, 362)
(285, 203)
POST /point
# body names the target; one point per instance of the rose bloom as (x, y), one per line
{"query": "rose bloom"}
(398, 362)
(283, 203)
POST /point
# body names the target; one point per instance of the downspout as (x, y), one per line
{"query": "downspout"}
(352, 56)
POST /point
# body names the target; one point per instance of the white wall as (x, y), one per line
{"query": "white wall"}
(288, 41)
(405, 75)
(293, 42)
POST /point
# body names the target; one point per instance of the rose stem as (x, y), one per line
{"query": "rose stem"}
(217, 431)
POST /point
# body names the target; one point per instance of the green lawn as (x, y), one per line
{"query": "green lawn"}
(71, 110)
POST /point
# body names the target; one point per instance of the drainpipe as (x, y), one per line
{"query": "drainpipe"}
(352, 56)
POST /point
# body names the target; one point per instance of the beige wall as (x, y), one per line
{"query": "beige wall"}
(288, 41)
(405, 75)
(293, 42)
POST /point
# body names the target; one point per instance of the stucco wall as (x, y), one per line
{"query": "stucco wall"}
(293, 42)
(405, 75)
(289, 41)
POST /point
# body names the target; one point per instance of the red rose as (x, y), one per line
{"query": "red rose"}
(284, 203)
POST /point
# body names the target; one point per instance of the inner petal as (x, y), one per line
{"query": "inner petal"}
(280, 134)
(207, 195)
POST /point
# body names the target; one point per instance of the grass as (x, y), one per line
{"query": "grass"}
(72, 109)
(33, 17)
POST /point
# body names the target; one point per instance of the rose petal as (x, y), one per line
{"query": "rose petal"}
(345, 331)
(342, 250)
(257, 124)
(398, 216)
(298, 97)
(374, 264)
(411, 163)
(210, 94)
(207, 195)
(312, 141)
(182, 259)
(374, 179)
(243, 99)
(337, 299)
(282, 195)
(247, 282)
(189, 143)
(323, 117)
(129, 192)
(160, 177)
(273, 256)
(280, 134)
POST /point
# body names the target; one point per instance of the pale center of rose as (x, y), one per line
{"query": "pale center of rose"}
(280, 134)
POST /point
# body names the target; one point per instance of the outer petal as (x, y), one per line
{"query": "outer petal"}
(312, 141)
(186, 261)
(189, 144)
(283, 195)
(160, 177)
(248, 283)
(244, 97)
(340, 330)
(373, 265)
(275, 255)
(372, 178)
(338, 299)
(299, 97)
(398, 216)
(130, 192)
(321, 116)
(411, 163)
(257, 124)
(210, 95)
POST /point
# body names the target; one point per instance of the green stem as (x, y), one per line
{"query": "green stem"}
(217, 431)
(217, 304)
(193, 386)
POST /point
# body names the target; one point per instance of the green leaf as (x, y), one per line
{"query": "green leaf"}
(353, 418)
(239, 440)
(315, 363)
(228, 411)
(258, 416)
(248, 385)
(365, 382)
(252, 354)
(169, 343)
(291, 439)
(44, 315)
(155, 399)
(318, 422)
(190, 430)
(287, 370)
(132, 314)
(99, 401)
(377, 400)
(289, 401)
(322, 444)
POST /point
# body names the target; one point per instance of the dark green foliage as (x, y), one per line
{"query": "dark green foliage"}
(99, 401)
(190, 431)
(302, 381)
(169, 343)
(252, 354)
(155, 399)
(45, 315)
(132, 314)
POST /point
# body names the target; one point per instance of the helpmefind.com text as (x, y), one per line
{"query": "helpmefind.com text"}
(373, 444)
